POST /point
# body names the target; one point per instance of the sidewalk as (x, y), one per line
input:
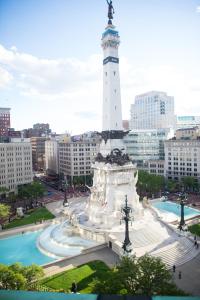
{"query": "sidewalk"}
(190, 281)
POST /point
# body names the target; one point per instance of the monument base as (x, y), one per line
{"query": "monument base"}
(111, 183)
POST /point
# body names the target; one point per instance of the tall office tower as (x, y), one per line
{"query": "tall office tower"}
(153, 110)
(4, 121)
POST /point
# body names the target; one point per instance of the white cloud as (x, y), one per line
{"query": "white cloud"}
(5, 77)
(198, 9)
(75, 86)
(45, 77)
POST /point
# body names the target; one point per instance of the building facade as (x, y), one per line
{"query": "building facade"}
(153, 110)
(51, 156)
(182, 154)
(75, 158)
(15, 164)
(156, 167)
(4, 121)
(125, 124)
(187, 121)
(38, 152)
(191, 133)
(145, 145)
(38, 130)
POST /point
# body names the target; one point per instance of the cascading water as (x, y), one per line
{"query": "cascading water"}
(61, 240)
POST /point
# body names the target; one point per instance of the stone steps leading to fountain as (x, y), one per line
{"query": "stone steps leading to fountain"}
(144, 237)
(177, 253)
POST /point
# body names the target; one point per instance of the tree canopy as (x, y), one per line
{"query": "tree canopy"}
(190, 183)
(149, 183)
(17, 277)
(32, 190)
(144, 276)
(4, 212)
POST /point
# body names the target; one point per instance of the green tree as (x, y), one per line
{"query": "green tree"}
(190, 183)
(4, 212)
(149, 183)
(3, 191)
(17, 277)
(31, 191)
(171, 185)
(33, 272)
(144, 276)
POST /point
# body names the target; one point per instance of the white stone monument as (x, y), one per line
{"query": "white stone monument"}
(114, 174)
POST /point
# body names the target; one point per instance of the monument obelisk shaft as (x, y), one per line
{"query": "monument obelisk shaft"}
(112, 131)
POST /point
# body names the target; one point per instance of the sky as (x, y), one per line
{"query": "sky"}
(51, 58)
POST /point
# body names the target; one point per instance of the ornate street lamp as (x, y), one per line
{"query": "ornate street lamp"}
(65, 202)
(183, 199)
(126, 210)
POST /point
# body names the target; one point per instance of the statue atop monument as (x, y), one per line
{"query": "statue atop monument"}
(110, 11)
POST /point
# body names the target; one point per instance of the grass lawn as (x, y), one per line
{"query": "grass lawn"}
(195, 229)
(83, 275)
(35, 215)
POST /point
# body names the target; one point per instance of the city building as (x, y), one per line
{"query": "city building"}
(15, 164)
(182, 155)
(153, 110)
(38, 130)
(190, 133)
(38, 152)
(146, 145)
(4, 121)
(12, 133)
(51, 156)
(187, 121)
(76, 156)
(125, 124)
(156, 167)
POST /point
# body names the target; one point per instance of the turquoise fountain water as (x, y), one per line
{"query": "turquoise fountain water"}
(175, 208)
(22, 248)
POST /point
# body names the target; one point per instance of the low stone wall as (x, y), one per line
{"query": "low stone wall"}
(66, 259)
(30, 227)
(92, 234)
(116, 245)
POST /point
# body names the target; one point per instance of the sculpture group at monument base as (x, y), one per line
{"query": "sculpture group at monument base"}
(111, 183)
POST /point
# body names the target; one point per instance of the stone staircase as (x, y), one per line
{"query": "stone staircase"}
(177, 253)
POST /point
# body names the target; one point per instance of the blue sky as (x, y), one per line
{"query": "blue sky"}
(51, 59)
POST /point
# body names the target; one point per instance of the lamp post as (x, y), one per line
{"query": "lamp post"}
(65, 202)
(126, 210)
(183, 198)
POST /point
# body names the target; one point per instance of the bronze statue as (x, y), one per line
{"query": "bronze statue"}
(110, 11)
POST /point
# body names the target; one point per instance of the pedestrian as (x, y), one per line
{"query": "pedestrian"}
(195, 244)
(195, 238)
(74, 287)
(174, 268)
(179, 275)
